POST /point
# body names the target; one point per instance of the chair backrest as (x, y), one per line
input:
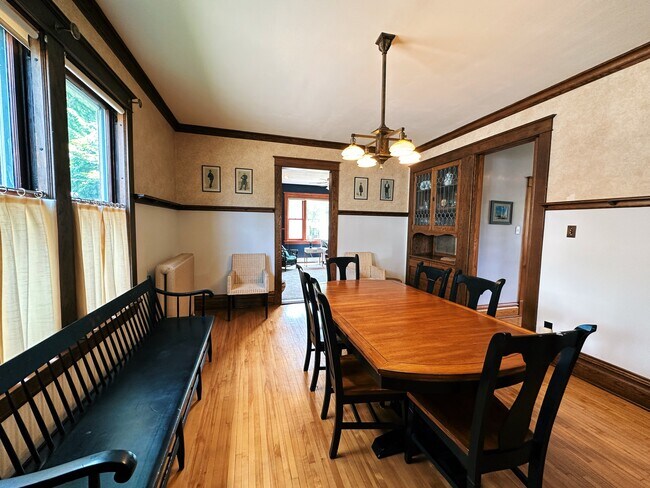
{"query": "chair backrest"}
(308, 286)
(365, 262)
(342, 262)
(538, 352)
(433, 275)
(475, 288)
(333, 352)
(248, 267)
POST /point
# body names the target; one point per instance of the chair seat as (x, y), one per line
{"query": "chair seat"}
(358, 382)
(452, 414)
(247, 289)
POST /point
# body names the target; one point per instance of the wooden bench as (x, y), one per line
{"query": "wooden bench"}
(104, 400)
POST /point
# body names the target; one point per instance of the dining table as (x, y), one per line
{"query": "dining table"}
(414, 341)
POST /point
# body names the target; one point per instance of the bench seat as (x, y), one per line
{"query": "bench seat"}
(140, 409)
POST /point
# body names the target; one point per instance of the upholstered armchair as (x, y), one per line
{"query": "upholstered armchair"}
(248, 277)
(368, 269)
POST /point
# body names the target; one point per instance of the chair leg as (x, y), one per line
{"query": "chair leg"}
(409, 450)
(210, 348)
(180, 454)
(327, 393)
(229, 306)
(199, 387)
(336, 435)
(314, 375)
(266, 304)
(307, 354)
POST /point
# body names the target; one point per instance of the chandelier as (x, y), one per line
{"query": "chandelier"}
(368, 155)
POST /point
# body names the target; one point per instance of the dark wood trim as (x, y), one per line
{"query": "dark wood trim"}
(618, 202)
(618, 63)
(630, 386)
(510, 138)
(45, 15)
(373, 214)
(159, 202)
(306, 163)
(333, 168)
(91, 10)
(57, 110)
(539, 132)
(257, 136)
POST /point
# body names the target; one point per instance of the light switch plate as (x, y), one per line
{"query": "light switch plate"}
(571, 231)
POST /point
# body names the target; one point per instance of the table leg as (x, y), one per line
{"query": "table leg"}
(392, 442)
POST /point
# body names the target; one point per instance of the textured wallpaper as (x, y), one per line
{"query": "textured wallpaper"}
(193, 151)
(600, 146)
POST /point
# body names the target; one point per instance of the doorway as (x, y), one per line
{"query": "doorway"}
(306, 221)
(505, 204)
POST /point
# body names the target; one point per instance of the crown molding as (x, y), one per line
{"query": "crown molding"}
(625, 60)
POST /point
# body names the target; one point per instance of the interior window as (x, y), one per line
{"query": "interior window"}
(307, 219)
(90, 144)
(317, 219)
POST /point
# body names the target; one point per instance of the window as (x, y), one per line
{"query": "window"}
(89, 135)
(306, 217)
(13, 161)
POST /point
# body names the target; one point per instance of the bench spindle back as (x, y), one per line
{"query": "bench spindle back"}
(45, 390)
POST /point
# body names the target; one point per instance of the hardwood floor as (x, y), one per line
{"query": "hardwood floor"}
(259, 425)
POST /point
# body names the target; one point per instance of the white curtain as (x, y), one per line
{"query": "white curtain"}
(103, 268)
(29, 273)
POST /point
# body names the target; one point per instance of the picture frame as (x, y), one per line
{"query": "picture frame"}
(500, 212)
(244, 180)
(386, 189)
(210, 178)
(360, 188)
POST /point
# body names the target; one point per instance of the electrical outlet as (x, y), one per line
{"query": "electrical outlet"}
(548, 325)
(571, 231)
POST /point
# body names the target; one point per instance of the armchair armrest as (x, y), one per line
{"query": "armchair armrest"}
(265, 278)
(203, 293)
(122, 463)
(377, 273)
(230, 281)
(293, 252)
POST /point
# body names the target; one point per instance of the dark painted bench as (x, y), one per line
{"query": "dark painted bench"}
(104, 400)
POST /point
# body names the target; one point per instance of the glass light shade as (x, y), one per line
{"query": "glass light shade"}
(367, 161)
(352, 152)
(410, 158)
(402, 147)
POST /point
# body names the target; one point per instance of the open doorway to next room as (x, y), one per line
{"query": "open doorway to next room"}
(305, 227)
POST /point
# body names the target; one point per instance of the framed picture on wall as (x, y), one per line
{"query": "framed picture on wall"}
(211, 178)
(386, 188)
(500, 212)
(360, 188)
(243, 180)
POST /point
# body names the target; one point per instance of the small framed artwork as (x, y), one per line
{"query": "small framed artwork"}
(500, 212)
(211, 178)
(360, 188)
(243, 180)
(386, 190)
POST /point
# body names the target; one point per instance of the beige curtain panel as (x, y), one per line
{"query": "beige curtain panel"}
(103, 268)
(29, 273)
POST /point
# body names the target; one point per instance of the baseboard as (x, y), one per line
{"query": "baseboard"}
(243, 301)
(630, 386)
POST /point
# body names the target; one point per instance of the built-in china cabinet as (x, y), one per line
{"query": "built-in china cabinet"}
(439, 205)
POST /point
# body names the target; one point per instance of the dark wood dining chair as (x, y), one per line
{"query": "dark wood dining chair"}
(472, 433)
(475, 287)
(342, 263)
(350, 382)
(433, 275)
(308, 315)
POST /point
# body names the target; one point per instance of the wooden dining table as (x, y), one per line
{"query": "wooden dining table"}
(411, 340)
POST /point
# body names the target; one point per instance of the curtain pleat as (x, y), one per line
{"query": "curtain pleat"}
(102, 257)
(29, 283)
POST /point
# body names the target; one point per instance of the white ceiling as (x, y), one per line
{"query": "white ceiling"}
(310, 68)
(301, 176)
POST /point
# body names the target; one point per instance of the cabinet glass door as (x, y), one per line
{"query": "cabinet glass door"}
(446, 197)
(422, 212)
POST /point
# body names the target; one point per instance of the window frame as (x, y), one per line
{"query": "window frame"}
(110, 121)
(304, 197)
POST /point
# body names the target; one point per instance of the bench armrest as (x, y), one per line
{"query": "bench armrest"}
(203, 293)
(122, 463)
(377, 273)
(265, 279)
